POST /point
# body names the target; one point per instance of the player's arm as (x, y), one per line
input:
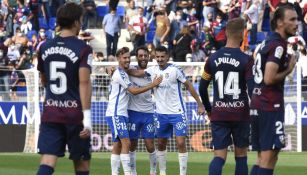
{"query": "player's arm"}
(190, 88)
(249, 77)
(203, 88)
(137, 90)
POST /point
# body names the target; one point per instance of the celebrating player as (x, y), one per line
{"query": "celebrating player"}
(140, 111)
(231, 71)
(272, 65)
(170, 107)
(65, 67)
(117, 115)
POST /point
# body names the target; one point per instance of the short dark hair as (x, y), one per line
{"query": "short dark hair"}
(161, 49)
(141, 48)
(121, 51)
(67, 14)
(280, 14)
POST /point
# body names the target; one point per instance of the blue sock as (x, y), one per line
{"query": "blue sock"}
(216, 166)
(241, 166)
(82, 173)
(45, 170)
(254, 170)
(265, 171)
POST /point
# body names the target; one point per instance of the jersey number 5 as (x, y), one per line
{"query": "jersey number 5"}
(55, 74)
(231, 86)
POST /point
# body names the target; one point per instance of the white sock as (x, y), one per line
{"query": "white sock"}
(183, 161)
(153, 162)
(125, 159)
(133, 162)
(161, 157)
(115, 164)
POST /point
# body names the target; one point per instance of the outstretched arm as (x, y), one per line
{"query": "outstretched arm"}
(137, 90)
(189, 86)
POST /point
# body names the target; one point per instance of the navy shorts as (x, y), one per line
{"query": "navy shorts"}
(268, 131)
(53, 138)
(141, 125)
(227, 133)
(119, 127)
(166, 123)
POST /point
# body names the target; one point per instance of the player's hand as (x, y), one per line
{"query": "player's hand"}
(209, 115)
(157, 80)
(201, 110)
(110, 70)
(85, 133)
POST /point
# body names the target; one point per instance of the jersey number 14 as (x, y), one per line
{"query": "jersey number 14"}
(231, 86)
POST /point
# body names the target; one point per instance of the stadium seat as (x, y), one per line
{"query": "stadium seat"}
(52, 23)
(260, 37)
(30, 34)
(150, 36)
(266, 25)
(120, 11)
(49, 34)
(43, 23)
(102, 10)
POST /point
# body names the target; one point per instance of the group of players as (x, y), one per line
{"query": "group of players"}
(65, 68)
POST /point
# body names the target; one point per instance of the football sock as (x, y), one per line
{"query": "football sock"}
(254, 170)
(216, 166)
(153, 162)
(125, 159)
(45, 170)
(82, 172)
(115, 164)
(241, 166)
(161, 156)
(183, 161)
(133, 162)
(265, 171)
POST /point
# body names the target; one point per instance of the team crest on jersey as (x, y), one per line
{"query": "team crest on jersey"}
(278, 52)
(282, 139)
(166, 75)
(90, 59)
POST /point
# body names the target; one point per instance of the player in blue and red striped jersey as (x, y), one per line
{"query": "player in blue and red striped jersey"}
(272, 65)
(65, 66)
(231, 72)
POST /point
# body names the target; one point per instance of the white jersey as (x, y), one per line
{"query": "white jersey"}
(141, 102)
(118, 98)
(168, 95)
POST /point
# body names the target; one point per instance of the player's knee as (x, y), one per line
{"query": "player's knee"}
(150, 148)
(181, 145)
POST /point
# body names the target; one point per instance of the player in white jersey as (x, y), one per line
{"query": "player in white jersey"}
(170, 107)
(141, 114)
(117, 115)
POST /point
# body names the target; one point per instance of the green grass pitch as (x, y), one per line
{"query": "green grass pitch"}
(26, 164)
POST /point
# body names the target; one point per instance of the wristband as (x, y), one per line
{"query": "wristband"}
(87, 121)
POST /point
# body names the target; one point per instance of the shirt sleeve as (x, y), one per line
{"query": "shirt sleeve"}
(86, 57)
(149, 71)
(180, 75)
(123, 79)
(276, 52)
(40, 62)
(207, 72)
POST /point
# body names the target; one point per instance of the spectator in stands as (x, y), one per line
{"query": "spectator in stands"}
(176, 24)
(151, 51)
(223, 6)
(41, 38)
(138, 26)
(5, 70)
(193, 23)
(2, 28)
(130, 11)
(261, 8)
(209, 7)
(11, 5)
(22, 15)
(90, 14)
(182, 45)
(198, 55)
(234, 9)
(86, 36)
(19, 39)
(302, 62)
(218, 28)
(111, 25)
(210, 19)
(162, 27)
(208, 40)
(35, 7)
(55, 4)
(45, 9)
(252, 15)
(273, 6)
(170, 5)
(185, 4)
(300, 19)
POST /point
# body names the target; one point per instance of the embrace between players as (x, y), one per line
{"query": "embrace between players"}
(66, 77)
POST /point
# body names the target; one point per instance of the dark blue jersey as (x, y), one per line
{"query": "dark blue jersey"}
(59, 61)
(230, 69)
(269, 98)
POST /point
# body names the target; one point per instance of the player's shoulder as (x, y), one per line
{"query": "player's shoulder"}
(175, 67)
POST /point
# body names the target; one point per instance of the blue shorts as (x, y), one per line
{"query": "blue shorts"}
(166, 123)
(268, 131)
(141, 124)
(119, 127)
(53, 138)
(227, 133)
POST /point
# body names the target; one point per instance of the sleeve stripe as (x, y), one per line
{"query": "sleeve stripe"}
(206, 76)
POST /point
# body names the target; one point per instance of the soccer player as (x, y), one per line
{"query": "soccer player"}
(140, 112)
(231, 72)
(64, 64)
(170, 107)
(272, 65)
(117, 114)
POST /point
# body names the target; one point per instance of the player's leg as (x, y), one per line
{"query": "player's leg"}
(51, 145)
(164, 131)
(82, 167)
(181, 130)
(255, 129)
(148, 133)
(272, 139)
(240, 135)
(255, 167)
(221, 139)
(132, 154)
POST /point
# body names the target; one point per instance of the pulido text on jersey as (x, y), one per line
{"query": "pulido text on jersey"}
(226, 60)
